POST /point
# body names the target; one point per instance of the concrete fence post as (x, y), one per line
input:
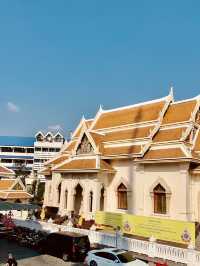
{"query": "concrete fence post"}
(191, 257)
(152, 247)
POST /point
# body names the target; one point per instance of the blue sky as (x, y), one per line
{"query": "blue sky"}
(62, 59)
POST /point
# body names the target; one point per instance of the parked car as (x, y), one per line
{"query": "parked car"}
(65, 245)
(112, 256)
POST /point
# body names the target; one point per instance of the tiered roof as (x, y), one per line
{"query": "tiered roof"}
(159, 130)
(6, 172)
(13, 189)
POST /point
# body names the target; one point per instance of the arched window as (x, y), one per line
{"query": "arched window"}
(91, 200)
(159, 194)
(122, 197)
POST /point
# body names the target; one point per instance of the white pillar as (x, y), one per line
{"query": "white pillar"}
(46, 193)
(62, 198)
(70, 200)
(96, 197)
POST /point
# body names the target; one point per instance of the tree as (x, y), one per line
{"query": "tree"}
(22, 171)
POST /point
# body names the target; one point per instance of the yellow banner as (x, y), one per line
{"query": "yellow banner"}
(163, 229)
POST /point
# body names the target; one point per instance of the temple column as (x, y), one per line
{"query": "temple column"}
(46, 192)
(70, 200)
(86, 197)
(62, 198)
(96, 197)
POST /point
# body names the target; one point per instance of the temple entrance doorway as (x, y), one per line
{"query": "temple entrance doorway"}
(102, 199)
(78, 199)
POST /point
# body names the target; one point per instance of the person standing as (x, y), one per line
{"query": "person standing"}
(11, 260)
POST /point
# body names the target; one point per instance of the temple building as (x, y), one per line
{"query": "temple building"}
(6, 172)
(142, 159)
(13, 190)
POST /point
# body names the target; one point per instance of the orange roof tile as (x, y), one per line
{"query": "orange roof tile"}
(5, 171)
(179, 112)
(15, 195)
(45, 171)
(58, 159)
(171, 153)
(89, 122)
(169, 134)
(71, 146)
(142, 113)
(134, 133)
(97, 138)
(5, 184)
(122, 150)
(83, 164)
(197, 143)
(105, 166)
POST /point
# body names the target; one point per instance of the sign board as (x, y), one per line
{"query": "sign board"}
(163, 229)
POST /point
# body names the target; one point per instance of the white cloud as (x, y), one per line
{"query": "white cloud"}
(12, 107)
(55, 127)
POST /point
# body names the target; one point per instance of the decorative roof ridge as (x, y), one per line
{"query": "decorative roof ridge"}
(186, 100)
(128, 126)
(186, 150)
(7, 178)
(186, 122)
(174, 126)
(135, 140)
(78, 126)
(135, 105)
(186, 132)
(54, 158)
(7, 169)
(62, 163)
(126, 144)
(167, 142)
(146, 147)
(168, 146)
(96, 132)
(195, 138)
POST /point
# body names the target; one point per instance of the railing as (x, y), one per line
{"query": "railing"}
(190, 257)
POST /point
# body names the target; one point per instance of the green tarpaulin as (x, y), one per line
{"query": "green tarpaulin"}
(7, 206)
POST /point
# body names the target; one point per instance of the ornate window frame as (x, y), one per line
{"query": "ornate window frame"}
(168, 193)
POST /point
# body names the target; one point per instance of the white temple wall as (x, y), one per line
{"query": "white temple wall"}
(195, 197)
(174, 178)
(124, 174)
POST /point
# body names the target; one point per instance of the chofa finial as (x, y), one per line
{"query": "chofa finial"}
(171, 92)
(100, 108)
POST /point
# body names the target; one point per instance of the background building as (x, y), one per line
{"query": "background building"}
(26, 155)
(16, 152)
(45, 147)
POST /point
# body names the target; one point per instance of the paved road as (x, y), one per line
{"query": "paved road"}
(28, 257)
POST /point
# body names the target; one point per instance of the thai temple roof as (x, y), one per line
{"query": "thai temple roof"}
(161, 130)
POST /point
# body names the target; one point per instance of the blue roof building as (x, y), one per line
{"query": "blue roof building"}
(17, 141)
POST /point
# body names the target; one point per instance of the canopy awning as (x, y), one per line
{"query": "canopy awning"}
(8, 206)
